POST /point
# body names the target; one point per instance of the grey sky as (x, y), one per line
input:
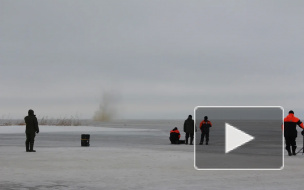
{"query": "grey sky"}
(160, 58)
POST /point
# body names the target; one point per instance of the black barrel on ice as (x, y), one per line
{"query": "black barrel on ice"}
(85, 140)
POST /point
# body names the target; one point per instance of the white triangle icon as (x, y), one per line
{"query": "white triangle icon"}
(235, 138)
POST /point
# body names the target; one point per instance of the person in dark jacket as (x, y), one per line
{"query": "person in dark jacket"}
(189, 129)
(30, 130)
(204, 127)
(175, 136)
(290, 131)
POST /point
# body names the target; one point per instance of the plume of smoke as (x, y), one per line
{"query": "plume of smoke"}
(108, 107)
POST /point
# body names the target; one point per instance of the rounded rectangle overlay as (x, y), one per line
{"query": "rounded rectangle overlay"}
(262, 125)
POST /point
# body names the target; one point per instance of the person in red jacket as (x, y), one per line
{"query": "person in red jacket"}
(290, 131)
(205, 126)
(174, 136)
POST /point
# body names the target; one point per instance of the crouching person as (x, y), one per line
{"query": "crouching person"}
(175, 136)
(30, 131)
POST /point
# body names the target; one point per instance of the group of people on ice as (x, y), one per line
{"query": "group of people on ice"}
(189, 128)
(289, 127)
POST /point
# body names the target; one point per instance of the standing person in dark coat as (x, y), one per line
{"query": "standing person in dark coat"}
(189, 129)
(30, 130)
(205, 126)
(290, 131)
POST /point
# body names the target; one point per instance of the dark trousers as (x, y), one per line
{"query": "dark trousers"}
(191, 137)
(205, 133)
(29, 142)
(290, 141)
(176, 141)
(30, 138)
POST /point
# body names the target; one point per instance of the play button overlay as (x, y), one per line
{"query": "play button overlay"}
(239, 138)
(235, 138)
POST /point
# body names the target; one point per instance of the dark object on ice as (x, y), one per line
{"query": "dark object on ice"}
(204, 127)
(30, 130)
(290, 132)
(189, 129)
(174, 137)
(85, 140)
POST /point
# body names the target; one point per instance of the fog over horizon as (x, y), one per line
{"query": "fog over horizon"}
(150, 59)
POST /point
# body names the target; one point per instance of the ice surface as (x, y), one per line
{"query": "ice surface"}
(126, 157)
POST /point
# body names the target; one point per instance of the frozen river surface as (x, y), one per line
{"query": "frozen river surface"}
(134, 155)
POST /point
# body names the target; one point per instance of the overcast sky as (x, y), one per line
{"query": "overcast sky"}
(158, 59)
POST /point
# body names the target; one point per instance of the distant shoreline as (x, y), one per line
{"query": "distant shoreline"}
(89, 122)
